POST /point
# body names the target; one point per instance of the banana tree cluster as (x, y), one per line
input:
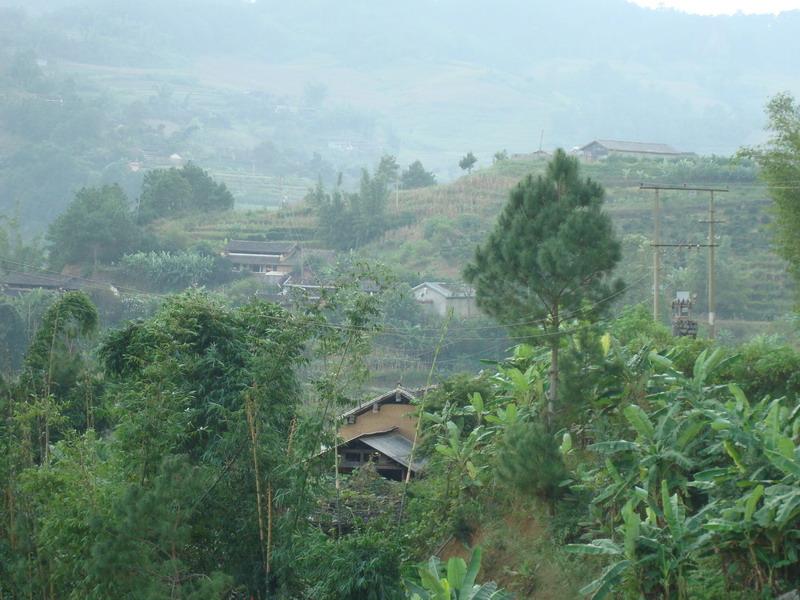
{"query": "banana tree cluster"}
(701, 474)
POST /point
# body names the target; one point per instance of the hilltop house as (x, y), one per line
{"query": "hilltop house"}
(381, 431)
(599, 149)
(441, 297)
(264, 258)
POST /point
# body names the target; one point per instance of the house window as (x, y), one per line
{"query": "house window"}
(352, 457)
(351, 419)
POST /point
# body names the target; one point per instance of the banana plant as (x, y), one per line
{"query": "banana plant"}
(460, 453)
(756, 528)
(456, 582)
(654, 555)
(662, 451)
(678, 386)
(521, 384)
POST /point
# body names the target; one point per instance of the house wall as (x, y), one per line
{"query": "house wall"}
(653, 155)
(463, 307)
(595, 151)
(431, 301)
(436, 303)
(389, 415)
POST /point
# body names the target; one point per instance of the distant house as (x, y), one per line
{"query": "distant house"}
(599, 149)
(264, 258)
(441, 297)
(381, 431)
(15, 283)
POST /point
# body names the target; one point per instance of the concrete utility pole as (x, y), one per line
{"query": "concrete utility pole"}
(712, 283)
(656, 259)
(711, 245)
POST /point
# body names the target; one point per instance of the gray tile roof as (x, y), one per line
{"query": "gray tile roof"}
(250, 247)
(642, 147)
(18, 279)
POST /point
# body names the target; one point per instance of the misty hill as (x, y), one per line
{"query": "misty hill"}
(269, 96)
(449, 75)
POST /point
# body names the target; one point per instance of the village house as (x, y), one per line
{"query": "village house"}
(15, 283)
(272, 259)
(381, 431)
(440, 297)
(599, 149)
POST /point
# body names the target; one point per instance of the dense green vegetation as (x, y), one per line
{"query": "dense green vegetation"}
(778, 161)
(673, 465)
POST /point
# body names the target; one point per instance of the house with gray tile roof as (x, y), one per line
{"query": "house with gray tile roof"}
(264, 258)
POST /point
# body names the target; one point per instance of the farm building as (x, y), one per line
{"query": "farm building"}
(440, 297)
(264, 258)
(599, 149)
(15, 283)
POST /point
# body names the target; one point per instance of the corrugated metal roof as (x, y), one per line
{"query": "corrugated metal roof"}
(395, 446)
(250, 247)
(643, 147)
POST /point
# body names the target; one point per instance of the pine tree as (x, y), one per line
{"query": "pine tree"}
(415, 176)
(549, 258)
(467, 162)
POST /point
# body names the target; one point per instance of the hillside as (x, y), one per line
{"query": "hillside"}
(447, 221)
(752, 281)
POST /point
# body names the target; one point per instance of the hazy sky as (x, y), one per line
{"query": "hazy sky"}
(720, 7)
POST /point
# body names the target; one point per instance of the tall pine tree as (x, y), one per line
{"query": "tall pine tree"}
(550, 258)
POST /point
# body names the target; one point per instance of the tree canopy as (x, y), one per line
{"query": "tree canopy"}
(173, 192)
(349, 220)
(467, 162)
(550, 256)
(780, 168)
(415, 176)
(97, 226)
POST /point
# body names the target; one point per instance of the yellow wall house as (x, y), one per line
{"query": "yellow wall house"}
(381, 431)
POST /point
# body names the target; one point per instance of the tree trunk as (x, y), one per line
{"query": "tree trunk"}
(552, 393)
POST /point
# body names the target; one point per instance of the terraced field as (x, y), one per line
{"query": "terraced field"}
(448, 220)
